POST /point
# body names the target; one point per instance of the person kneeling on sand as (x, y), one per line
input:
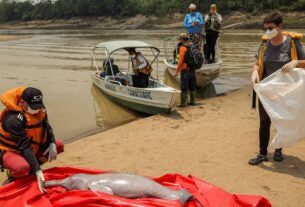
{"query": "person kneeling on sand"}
(26, 137)
(278, 50)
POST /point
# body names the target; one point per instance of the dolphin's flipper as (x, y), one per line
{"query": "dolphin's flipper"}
(99, 187)
(185, 195)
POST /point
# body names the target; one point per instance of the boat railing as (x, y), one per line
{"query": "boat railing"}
(170, 44)
(93, 61)
(155, 52)
(169, 47)
(115, 82)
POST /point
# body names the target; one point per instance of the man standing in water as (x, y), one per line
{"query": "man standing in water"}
(26, 137)
(278, 50)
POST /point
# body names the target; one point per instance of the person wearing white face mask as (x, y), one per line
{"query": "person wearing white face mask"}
(26, 137)
(141, 68)
(279, 50)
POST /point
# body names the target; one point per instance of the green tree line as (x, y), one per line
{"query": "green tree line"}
(65, 9)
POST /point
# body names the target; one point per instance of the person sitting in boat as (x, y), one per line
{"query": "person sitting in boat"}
(107, 68)
(113, 68)
(141, 69)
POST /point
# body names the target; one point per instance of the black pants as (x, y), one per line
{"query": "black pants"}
(187, 81)
(141, 80)
(264, 130)
(211, 39)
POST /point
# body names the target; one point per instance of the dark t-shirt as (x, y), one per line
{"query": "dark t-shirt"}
(277, 56)
(115, 70)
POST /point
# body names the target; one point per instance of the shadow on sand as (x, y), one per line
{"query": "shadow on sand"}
(291, 165)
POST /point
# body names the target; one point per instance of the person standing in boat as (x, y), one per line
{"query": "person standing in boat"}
(141, 69)
(26, 137)
(193, 23)
(187, 75)
(212, 28)
(279, 50)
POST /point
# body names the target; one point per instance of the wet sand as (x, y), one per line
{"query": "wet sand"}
(212, 141)
(9, 37)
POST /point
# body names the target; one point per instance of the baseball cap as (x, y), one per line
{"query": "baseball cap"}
(183, 36)
(33, 97)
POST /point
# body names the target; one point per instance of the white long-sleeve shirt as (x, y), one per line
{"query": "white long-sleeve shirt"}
(141, 59)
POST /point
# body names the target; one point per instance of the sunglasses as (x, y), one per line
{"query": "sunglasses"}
(268, 28)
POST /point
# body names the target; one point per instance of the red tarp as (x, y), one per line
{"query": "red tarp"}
(25, 193)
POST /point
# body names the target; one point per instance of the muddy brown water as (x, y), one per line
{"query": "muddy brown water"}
(59, 63)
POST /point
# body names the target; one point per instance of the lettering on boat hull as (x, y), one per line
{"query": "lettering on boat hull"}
(139, 94)
(110, 87)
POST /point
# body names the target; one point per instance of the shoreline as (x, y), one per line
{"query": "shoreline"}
(234, 20)
(224, 136)
(96, 131)
(202, 95)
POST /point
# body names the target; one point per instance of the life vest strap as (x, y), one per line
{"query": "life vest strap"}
(9, 139)
(40, 124)
(33, 142)
(4, 143)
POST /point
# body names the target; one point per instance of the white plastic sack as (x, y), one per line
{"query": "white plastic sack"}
(283, 97)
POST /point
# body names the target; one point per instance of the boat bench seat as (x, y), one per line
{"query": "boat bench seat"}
(123, 79)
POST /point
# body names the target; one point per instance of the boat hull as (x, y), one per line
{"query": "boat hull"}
(204, 76)
(146, 100)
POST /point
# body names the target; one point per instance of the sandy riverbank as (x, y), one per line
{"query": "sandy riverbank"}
(212, 141)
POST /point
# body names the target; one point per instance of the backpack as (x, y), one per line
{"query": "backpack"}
(193, 57)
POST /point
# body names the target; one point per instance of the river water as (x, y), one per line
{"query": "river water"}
(59, 63)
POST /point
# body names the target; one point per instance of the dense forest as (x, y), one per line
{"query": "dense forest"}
(66, 9)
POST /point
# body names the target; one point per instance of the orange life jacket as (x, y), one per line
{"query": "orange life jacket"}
(182, 64)
(146, 70)
(293, 50)
(35, 130)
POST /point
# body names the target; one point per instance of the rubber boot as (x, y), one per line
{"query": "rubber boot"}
(9, 179)
(183, 101)
(193, 98)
